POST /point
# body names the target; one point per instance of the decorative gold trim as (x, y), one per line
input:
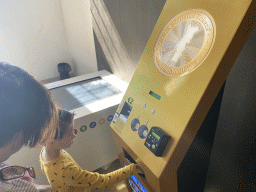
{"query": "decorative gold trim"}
(184, 42)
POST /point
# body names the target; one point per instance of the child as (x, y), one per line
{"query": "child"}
(64, 174)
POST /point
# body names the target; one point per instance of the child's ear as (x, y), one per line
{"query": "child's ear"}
(50, 143)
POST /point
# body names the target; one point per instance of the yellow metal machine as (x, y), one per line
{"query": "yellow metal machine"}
(183, 67)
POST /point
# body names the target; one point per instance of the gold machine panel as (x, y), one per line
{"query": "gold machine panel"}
(183, 67)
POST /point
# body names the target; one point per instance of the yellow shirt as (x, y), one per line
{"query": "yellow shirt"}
(64, 174)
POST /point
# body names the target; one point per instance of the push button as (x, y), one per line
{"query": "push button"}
(135, 124)
(143, 131)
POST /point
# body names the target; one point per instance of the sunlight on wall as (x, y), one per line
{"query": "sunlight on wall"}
(110, 40)
(79, 33)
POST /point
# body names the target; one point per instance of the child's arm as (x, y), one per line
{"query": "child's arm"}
(74, 176)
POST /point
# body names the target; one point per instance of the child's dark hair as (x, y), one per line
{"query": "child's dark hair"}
(26, 107)
(65, 119)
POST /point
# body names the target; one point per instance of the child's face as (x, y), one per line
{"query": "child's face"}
(67, 139)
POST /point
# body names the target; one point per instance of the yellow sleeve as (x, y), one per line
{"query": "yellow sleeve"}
(72, 175)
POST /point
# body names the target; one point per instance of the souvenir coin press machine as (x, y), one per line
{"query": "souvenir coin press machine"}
(183, 67)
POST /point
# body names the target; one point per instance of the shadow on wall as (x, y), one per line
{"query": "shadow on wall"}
(110, 42)
(122, 30)
(233, 159)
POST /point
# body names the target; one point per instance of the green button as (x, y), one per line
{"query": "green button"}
(153, 146)
(83, 128)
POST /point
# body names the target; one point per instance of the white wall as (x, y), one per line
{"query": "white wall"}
(78, 25)
(32, 36)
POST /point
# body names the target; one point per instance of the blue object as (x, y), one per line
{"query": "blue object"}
(110, 118)
(136, 184)
(92, 124)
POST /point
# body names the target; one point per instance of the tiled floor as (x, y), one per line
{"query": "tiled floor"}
(119, 187)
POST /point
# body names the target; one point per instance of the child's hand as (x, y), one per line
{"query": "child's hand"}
(139, 169)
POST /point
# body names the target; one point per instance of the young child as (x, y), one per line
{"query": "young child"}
(64, 174)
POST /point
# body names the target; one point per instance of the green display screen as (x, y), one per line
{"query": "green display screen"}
(155, 135)
(155, 95)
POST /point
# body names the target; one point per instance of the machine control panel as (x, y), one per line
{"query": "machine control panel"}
(157, 141)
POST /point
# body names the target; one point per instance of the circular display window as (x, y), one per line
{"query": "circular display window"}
(184, 42)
